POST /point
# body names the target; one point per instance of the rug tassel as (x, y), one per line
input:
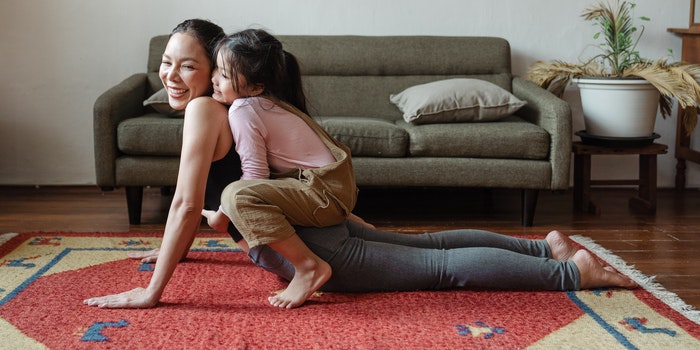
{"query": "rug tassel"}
(646, 282)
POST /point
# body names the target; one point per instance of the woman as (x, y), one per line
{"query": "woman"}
(206, 151)
(206, 166)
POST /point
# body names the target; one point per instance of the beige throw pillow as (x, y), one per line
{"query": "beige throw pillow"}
(455, 100)
(159, 102)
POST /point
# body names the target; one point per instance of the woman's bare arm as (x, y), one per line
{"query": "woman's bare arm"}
(206, 137)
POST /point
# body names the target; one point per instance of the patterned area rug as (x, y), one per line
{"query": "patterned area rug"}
(217, 299)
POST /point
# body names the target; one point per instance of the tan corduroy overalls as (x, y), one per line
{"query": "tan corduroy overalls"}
(264, 210)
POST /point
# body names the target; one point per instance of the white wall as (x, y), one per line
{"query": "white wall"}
(56, 57)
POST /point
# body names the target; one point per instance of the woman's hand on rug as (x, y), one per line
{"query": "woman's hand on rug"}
(150, 256)
(146, 257)
(137, 298)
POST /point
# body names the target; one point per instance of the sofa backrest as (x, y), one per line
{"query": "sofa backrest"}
(156, 48)
(355, 75)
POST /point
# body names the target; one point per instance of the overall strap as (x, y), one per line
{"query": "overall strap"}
(337, 179)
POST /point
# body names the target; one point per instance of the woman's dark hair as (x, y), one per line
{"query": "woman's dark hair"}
(207, 34)
(260, 59)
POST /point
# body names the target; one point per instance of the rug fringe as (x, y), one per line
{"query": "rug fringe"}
(6, 237)
(646, 282)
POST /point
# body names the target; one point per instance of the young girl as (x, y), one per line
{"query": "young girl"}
(294, 173)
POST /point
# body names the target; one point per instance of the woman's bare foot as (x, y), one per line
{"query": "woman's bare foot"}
(306, 281)
(561, 247)
(595, 275)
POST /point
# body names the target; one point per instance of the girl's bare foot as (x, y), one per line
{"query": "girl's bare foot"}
(595, 275)
(561, 247)
(305, 282)
(217, 220)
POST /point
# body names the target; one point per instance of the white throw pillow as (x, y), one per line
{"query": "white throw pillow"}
(455, 100)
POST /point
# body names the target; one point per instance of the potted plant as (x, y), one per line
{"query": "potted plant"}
(620, 76)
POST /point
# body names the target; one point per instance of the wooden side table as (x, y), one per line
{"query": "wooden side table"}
(645, 201)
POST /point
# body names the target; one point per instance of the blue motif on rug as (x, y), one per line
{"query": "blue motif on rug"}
(479, 328)
(214, 243)
(94, 333)
(20, 263)
(133, 242)
(146, 267)
(54, 241)
(639, 324)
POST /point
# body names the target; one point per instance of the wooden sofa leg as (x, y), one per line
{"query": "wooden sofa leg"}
(134, 198)
(529, 202)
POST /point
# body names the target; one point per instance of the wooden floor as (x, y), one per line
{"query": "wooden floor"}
(666, 245)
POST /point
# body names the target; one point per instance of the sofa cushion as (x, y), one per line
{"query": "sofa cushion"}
(159, 102)
(151, 134)
(455, 100)
(511, 138)
(367, 136)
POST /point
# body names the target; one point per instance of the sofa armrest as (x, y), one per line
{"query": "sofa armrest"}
(122, 101)
(554, 115)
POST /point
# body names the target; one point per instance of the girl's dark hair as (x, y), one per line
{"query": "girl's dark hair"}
(207, 34)
(260, 59)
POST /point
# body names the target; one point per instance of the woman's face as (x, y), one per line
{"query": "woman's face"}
(185, 70)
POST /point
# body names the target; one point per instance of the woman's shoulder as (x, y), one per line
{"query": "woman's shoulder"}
(207, 103)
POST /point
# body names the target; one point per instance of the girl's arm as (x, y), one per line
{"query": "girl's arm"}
(206, 137)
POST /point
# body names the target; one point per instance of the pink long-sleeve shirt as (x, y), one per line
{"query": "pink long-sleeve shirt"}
(269, 138)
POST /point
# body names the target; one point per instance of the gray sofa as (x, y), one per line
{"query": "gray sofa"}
(349, 81)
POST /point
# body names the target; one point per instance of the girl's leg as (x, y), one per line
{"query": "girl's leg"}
(310, 272)
(324, 242)
(264, 211)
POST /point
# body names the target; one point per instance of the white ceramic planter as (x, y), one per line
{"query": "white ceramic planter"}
(618, 107)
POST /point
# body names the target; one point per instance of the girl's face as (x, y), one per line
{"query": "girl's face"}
(224, 89)
(185, 70)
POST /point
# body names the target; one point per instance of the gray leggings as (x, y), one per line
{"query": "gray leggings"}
(365, 260)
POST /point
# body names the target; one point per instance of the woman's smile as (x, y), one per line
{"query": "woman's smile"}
(176, 92)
